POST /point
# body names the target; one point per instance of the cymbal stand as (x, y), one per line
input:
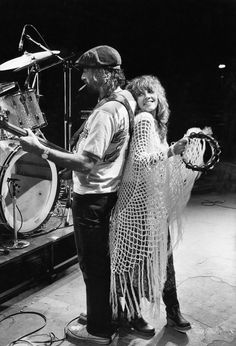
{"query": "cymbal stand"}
(67, 103)
(33, 73)
(36, 82)
(67, 68)
(36, 68)
(16, 244)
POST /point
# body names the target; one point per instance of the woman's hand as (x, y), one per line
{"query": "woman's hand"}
(30, 143)
(178, 148)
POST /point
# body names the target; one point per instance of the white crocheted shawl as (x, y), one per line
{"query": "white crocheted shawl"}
(153, 193)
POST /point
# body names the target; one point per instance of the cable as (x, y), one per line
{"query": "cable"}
(50, 341)
(25, 312)
(38, 232)
(41, 37)
(209, 203)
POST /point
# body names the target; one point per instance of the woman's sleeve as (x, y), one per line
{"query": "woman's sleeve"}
(142, 143)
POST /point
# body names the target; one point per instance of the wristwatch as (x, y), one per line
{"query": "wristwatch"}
(45, 154)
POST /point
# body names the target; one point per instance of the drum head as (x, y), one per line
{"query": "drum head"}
(34, 182)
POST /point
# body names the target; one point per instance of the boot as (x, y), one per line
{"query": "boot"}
(176, 320)
(141, 326)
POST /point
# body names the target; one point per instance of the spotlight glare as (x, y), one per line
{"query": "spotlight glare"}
(221, 66)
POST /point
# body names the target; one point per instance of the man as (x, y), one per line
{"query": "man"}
(97, 164)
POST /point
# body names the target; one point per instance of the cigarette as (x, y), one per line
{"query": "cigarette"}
(83, 86)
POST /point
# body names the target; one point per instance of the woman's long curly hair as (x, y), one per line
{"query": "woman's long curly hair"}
(151, 83)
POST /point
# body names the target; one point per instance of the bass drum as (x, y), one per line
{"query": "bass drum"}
(36, 188)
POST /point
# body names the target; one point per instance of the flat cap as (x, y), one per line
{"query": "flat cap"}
(100, 56)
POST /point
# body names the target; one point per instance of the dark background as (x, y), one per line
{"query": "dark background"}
(180, 41)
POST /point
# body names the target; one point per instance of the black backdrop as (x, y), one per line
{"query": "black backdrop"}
(180, 41)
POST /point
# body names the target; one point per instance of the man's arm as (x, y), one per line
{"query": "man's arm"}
(82, 163)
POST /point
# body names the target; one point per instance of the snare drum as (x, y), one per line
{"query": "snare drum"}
(22, 109)
(36, 187)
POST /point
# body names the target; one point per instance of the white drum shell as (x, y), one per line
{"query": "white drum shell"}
(22, 109)
(36, 187)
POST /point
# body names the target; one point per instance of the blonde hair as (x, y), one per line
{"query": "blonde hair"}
(148, 82)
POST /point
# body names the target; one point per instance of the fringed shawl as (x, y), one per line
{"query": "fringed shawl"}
(153, 193)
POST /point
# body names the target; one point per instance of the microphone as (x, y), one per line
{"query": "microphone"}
(20, 47)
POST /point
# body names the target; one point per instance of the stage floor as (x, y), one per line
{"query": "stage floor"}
(205, 264)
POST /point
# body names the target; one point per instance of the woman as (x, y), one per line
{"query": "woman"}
(155, 188)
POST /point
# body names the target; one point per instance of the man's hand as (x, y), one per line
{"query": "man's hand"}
(82, 163)
(65, 174)
(30, 143)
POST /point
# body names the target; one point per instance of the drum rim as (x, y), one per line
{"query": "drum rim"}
(51, 200)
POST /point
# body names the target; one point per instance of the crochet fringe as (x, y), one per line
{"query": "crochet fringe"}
(153, 194)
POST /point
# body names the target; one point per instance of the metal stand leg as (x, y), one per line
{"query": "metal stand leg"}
(67, 104)
(68, 205)
(15, 244)
(67, 127)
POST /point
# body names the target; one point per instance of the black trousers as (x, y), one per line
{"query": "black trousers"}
(91, 214)
(169, 294)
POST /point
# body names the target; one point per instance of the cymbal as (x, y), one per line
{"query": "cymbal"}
(26, 60)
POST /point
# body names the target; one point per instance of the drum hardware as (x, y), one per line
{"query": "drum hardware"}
(47, 50)
(67, 89)
(37, 189)
(3, 167)
(27, 60)
(4, 250)
(49, 201)
(67, 74)
(40, 134)
(6, 87)
(15, 130)
(21, 109)
(16, 244)
(68, 204)
(27, 114)
(3, 135)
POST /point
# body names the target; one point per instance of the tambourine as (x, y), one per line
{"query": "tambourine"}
(201, 140)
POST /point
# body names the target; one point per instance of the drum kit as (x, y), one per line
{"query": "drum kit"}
(29, 185)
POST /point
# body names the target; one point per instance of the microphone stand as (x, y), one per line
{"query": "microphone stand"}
(67, 127)
(43, 47)
(16, 244)
(67, 67)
